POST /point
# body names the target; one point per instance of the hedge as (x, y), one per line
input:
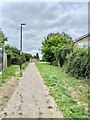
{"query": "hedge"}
(78, 63)
(13, 55)
(62, 53)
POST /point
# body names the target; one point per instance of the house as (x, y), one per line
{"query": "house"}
(83, 41)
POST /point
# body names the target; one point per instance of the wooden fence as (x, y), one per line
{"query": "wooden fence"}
(3, 60)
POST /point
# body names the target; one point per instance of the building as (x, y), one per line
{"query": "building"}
(83, 40)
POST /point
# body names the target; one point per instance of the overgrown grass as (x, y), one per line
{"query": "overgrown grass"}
(71, 94)
(11, 71)
(24, 65)
(8, 73)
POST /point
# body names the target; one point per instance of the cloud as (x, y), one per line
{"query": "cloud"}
(45, 0)
(0, 14)
(41, 19)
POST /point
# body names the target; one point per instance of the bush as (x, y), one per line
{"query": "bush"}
(24, 65)
(78, 63)
(27, 56)
(55, 63)
(13, 55)
(62, 53)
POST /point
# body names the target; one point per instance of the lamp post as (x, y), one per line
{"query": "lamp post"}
(21, 46)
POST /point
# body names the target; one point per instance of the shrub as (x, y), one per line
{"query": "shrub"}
(13, 55)
(78, 63)
(62, 53)
(55, 63)
(27, 56)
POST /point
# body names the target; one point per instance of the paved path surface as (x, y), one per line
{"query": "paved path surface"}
(29, 99)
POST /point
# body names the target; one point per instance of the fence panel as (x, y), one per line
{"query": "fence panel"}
(1, 58)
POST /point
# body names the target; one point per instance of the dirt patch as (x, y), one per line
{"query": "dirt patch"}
(6, 91)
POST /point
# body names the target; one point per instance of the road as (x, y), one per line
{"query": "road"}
(31, 99)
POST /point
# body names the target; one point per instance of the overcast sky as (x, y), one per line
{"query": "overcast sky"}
(41, 19)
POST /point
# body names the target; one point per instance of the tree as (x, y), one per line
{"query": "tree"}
(52, 43)
(3, 38)
(67, 36)
(37, 56)
(27, 56)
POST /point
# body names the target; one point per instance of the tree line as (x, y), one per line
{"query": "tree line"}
(13, 54)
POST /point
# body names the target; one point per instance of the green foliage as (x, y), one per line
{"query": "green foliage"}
(27, 56)
(55, 63)
(78, 63)
(3, 38)
(11, 71)
(63, 52)
(13, 55)
(52, 43)
(67, 36)
(36, 56)
(24, 65)
(59, 49)
(61, 85)
(8, 73)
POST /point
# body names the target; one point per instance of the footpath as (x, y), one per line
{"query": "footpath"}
(31, 99)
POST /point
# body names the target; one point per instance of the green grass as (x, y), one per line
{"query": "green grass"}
(8, 73)
(70, 94)
(11, 71)
(24, 65)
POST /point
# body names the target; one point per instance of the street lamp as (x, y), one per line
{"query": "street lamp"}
(21, 46)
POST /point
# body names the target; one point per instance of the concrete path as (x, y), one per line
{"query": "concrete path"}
(29, 99)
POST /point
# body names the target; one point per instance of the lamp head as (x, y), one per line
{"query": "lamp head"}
(23, 24)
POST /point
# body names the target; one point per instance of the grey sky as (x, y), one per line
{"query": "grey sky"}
(42, 18)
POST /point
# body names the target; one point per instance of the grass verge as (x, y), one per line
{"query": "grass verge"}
(24, 65)
(70, 94)
(11, 71)
(8, 73)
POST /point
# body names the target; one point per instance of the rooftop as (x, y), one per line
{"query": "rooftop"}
(80, 38)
